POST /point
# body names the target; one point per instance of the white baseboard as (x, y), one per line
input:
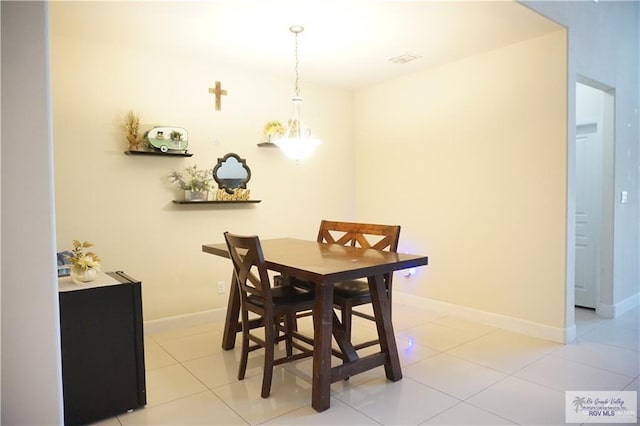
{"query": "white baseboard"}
(617, 309)
(186, 320)
(530, 328)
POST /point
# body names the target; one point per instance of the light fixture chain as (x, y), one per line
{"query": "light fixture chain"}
(297, 87)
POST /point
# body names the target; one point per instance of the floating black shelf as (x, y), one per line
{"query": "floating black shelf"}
(216, 202)
(267, 145)
(159, 153)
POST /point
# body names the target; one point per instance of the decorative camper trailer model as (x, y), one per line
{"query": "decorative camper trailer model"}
(167, 139)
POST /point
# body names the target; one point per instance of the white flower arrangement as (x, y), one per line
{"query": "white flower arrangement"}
(192, 179)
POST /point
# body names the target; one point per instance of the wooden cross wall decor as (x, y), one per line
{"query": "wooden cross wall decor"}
(218, 92)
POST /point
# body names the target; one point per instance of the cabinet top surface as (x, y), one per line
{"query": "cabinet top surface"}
(102, 280)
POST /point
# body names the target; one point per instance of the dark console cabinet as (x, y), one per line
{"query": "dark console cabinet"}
(102, 348)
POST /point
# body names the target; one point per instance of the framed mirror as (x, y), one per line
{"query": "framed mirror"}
(231, 172)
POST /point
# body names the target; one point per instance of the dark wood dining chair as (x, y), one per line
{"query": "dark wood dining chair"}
(270, 303)
(348, 294)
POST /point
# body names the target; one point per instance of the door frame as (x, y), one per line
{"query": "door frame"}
(606, 287)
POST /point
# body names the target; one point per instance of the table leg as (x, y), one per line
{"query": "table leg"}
(322, 325)
(382, 312)
(233, 312)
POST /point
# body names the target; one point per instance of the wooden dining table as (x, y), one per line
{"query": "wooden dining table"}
(323, 265)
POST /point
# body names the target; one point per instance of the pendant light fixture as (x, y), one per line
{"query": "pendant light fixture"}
(297, 143)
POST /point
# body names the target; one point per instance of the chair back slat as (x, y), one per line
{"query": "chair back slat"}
(249, 266)
(365, 235)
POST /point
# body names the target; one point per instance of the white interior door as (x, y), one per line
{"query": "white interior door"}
(588, 213)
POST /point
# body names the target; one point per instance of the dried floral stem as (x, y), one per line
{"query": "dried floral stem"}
(132, 126)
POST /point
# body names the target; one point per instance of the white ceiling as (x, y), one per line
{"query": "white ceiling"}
(346, 43)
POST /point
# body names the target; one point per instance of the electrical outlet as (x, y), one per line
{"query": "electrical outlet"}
(220, 287)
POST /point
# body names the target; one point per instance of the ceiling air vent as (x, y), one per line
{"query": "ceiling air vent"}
(404, 58)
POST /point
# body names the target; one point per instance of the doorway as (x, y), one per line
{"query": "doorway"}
(594, 193)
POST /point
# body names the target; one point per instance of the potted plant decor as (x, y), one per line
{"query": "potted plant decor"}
(273, 129)
(196, 183)
(84, 265)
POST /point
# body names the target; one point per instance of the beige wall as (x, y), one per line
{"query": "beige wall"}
(480, 159)
(123, 203)
(470, 158)
(604, 45)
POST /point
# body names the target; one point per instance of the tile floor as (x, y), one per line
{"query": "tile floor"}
(455, 373)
